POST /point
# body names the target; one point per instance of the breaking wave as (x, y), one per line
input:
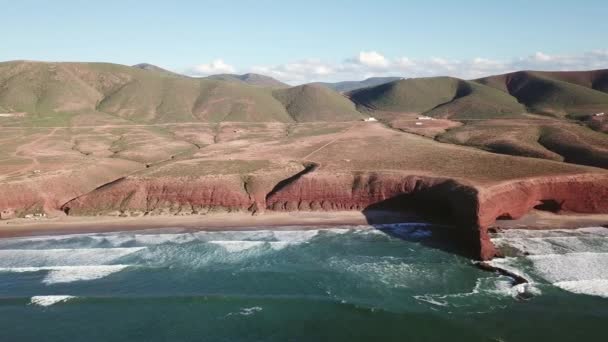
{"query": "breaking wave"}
(49, 300)
(65, 265)
(572, 260)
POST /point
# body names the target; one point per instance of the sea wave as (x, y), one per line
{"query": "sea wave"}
(68, 274)
(593, 287)
(246, 311)
(11, 258)
(49, 300)
(573, 260)
(158, 237)
(498, 287)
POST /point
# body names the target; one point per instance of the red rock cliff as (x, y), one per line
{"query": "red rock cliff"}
(472, 208)
(587, 193)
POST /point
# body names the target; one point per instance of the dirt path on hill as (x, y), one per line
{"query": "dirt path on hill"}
(28, 151)
(331, 141)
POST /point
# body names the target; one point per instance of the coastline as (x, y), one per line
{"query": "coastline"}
(210, 222)
(268, 220)
(543, 220)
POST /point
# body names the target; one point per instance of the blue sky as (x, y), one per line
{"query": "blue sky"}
(310, 40)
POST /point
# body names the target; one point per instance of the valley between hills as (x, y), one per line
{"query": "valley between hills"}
(101, 140)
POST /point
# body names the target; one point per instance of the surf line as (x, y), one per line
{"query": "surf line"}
(517, 279)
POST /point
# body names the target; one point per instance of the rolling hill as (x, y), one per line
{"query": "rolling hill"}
(347, 86)
(147, 94)
(444, 97)
(135, 94)
(317, 103)
(574, 94)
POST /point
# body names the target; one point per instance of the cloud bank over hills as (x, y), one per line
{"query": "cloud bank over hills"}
(374, 64)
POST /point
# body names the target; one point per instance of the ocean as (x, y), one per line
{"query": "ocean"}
(355, 283)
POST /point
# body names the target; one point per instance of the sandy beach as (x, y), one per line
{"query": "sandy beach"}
(271, 220)
(537, 219)
(214, 221)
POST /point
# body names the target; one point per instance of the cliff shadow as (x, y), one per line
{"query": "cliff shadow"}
(429, 221)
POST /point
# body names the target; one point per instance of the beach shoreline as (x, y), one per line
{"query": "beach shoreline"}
(269, 220)
(208, 222)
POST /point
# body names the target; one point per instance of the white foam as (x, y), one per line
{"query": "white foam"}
(495, 286)
(143, 238)
(250, 311)
(431, 300)
(246, 311)
(10, 258)
(592, 287)
(68, 274)
(388, 271)
(240, 246)
(49, 300)
(295, 236)
(571, 267)
(575, 260)
(237, 246)
(510, 264)
(81, 273)
(532, 233)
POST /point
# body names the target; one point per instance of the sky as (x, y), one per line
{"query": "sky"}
(313, 40)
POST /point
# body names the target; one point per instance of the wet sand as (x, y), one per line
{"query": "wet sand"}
(269, 220)
(214, 221)
(545, 220)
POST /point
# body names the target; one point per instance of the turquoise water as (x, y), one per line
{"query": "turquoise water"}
(300, 285)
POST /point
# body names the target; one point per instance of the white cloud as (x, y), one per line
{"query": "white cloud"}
(217, 66)
(372, 59)
(372, 63)
(539, 56)
(405, 62)
(297, 72)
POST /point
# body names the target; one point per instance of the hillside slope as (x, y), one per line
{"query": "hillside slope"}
(308, 103)
(138, 95)
(444, 97)
(555, 93)
(347, 86)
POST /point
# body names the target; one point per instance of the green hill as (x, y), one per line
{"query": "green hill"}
(43, 88)
(347, 86)
(139, 95)
(410, 95)
(307, 103)
(555, 93)
(439, 97)
(52, 92)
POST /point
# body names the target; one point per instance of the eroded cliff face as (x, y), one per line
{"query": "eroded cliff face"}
(135, 196)
(138, 196)
(586, 193)
(45, 194)
(303, 191)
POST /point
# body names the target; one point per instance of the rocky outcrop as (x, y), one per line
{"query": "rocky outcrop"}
(174, 195)
(587, 193)
(369, 190)
(45, 193)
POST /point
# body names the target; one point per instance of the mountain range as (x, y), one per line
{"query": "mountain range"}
(145, 93)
